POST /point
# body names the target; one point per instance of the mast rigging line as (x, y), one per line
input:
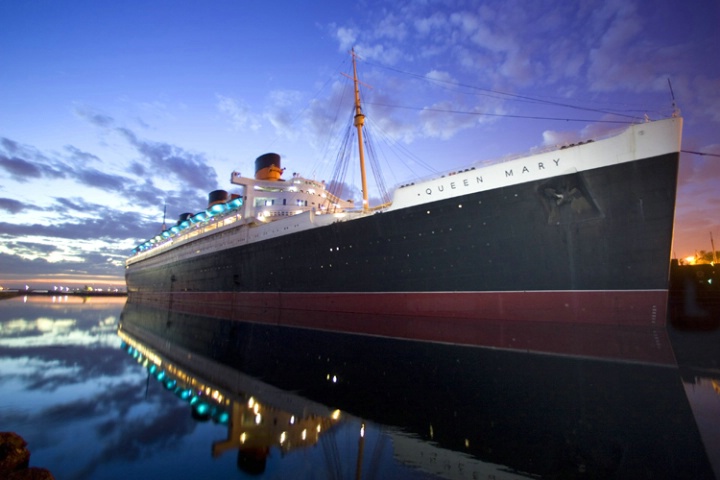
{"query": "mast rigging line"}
(399, 149)
(336, 117)
(337, 180)
(375, 167)
(507, 94)
(702, 153)
(530, 117)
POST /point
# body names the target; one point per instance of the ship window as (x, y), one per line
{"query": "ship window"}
(284, 201)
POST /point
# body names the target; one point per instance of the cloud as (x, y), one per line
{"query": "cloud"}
(24, 163)
(97, 119)
(344, 190)
(427, 24)
(392, 27)
(14, 263)
(704, 95)
(34, 248)
(319, 117)
(619, 23)
(595, 56)
(161, 430)
(590, 131)
(104, 223)
(77, 204)
(79, 155)
(12, 205)
(439, 76)
(30, 165)
(86, 238)
(10, 146)
(593, 46)
(378, 51)
(137, 169)
(169, 161)
(73, 365)
(376, 44)
(98, 372)
(240, 114)
(173, 161)
(145, 194)
(436, 122)
(19, 169)
(282, 112)
(97, 179)
(347, 37)
(555, 137)
(92, 264)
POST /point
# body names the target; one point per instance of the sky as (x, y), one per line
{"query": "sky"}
(111, 112)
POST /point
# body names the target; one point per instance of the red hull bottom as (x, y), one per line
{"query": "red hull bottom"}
(619, 325)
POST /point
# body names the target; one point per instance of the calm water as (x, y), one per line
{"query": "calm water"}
(101, 390)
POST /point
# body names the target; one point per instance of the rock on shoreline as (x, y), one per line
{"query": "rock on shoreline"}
(15, 460)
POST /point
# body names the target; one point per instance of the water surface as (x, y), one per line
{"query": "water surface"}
(102, 390)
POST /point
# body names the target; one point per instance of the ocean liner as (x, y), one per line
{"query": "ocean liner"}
(580, 234)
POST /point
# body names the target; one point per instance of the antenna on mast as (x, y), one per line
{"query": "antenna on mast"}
(164, 227)
(672, 95)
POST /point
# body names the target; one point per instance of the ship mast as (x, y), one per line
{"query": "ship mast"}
(359, 122)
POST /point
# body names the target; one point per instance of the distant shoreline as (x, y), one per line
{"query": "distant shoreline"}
(17, 293)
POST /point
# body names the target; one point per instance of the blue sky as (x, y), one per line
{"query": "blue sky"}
(109, 111)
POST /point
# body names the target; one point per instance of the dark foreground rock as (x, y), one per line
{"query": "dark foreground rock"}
(15, 460)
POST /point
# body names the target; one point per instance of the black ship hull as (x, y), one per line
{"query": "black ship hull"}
(590, 246)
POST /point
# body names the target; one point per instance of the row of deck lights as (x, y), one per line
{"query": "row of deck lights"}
(197, 219)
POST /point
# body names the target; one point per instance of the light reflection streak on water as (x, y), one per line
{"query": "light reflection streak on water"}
(703, 393)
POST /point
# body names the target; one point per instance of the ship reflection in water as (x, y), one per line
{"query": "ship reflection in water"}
(544, 402)
(216, 392)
